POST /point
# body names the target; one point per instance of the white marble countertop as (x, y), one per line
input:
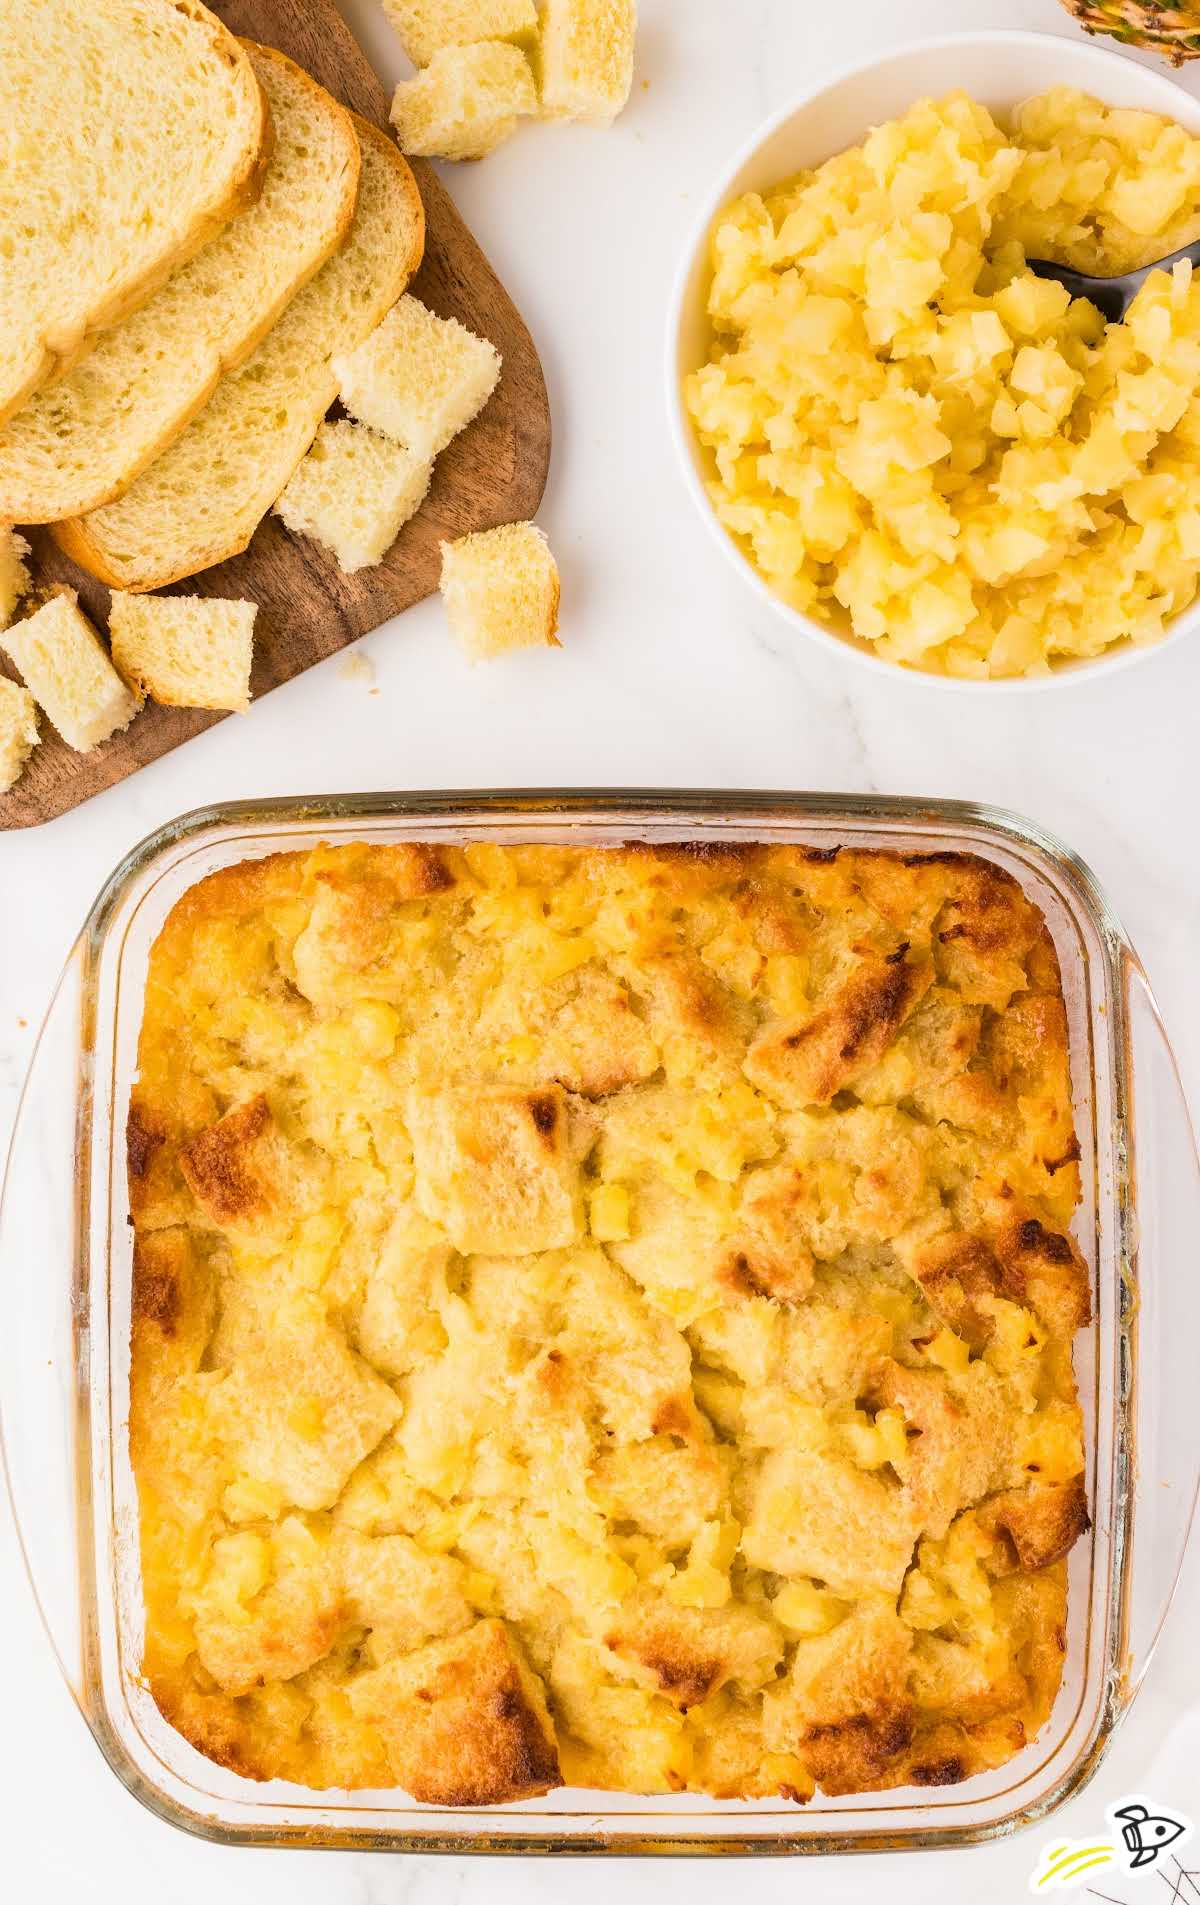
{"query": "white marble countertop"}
(671, 674)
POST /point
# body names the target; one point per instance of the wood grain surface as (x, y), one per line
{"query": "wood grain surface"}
(493, 473)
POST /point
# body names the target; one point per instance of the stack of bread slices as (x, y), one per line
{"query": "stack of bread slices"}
(191, 230)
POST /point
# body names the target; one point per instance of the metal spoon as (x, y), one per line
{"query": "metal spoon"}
(1111, 296)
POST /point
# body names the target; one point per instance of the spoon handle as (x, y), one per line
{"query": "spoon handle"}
(1111, 296)
(1189, 252)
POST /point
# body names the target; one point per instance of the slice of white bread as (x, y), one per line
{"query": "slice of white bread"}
(18, 731)
(500, 587)
(14, 576)
(130, 132)
(466, 102)
(202, 500)
(425, 26)
(419, 378)
(80, 441)
(587, 58)
(64, 664)
(184, 651)
(354, 492)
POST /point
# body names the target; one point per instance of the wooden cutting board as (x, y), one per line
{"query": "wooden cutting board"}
(493, 473)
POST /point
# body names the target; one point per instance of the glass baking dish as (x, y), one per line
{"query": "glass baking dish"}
(65, 1252)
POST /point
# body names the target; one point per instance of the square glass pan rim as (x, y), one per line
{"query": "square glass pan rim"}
(90, 1598)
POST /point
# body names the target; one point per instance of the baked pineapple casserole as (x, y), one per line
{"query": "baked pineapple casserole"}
(603, 1317)
(916, 439)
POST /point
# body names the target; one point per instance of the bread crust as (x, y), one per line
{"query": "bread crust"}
(78, 538)
(36, 504)
(242, 191)
(464, 1721)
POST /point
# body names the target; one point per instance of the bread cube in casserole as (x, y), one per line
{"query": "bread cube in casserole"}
(298, 1410)
(464, 1720)
(498, 1169)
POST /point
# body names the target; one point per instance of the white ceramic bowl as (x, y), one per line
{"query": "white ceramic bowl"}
(998, 69)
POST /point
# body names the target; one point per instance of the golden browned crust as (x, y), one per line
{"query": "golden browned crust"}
(957, 1271)
(174, 1301)
(225, 1167)
(688, 1653)
(158, 1193)
(1043, 1521)
(463, 1721)
(605, 1316)
(1045, 1267)
(845, 1706)
(808, 1062)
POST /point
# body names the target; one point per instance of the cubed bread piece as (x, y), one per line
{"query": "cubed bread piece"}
(688, 1653)
(500, 587)
(419, 378)
(397, 1319)
(353, 493)
(270, 1606)
(424, 27)
(160, 1121)
(183, 650)
(247, 1175)
(1046, 1270)
(174, 1302)
(668, 1487)
(18, 730)
(465, 103)
(816, 1514)
(464, 1720)
(297, 1409)
(403, 1594)
(587, 58)
(71, 677)
(845, 1706)
(343, 937)
(497, 1169)
(607, 1728)
(808, 1061)
(14, 576)
(1042, 1521)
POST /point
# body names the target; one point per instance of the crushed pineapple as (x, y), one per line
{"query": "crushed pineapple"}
(804, 1608)
(609, 1213)
(923, 445)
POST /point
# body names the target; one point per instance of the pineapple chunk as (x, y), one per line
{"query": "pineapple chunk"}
(906, 425)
